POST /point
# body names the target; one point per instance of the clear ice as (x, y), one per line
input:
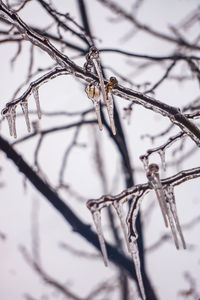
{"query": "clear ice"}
(97, 221)
(37, 102)
(136, 260)
(24, 106)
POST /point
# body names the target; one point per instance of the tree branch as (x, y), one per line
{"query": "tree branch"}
(77, 225)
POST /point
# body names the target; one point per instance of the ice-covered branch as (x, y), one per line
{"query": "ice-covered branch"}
(161, 149)
(77, 225)
(129, 193)
(10, 110)
(173, 113)
(165, 194)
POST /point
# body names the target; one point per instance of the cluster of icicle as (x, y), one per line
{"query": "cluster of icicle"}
(10, 112)
(94, 89)
(166, 200)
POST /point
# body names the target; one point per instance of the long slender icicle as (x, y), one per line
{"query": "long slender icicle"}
(174, 212)
(119, 209)
(136, 260)
(132, 238)
(172, 203)
(106, 92)
(100, 75)
(24, 106)
(97, 221)
(37, 102)
(173, 229)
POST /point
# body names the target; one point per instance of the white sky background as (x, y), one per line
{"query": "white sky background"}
(165, 265)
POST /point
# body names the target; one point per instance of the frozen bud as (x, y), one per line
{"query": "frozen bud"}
(114, 81)
(93, 92)
(153, 168)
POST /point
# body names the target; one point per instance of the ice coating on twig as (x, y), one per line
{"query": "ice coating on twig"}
(154, 179)
(119, 209)
(24, 106)
(135, 194)
(97, 221)
(93, 93)
(171, 199)
(136, 260)
(37, 102)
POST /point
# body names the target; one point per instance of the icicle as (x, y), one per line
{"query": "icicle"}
(145, 161)
(12, 110)
(162, 158)
(94, 56)
(172, 203)
(98, 114)
(37, 102)
(136, 260)
(109, 102)
(132, 237)
(171, 222)
(173, 208)
(110, 108)
(154, 179)
(93, 93)
(97, 221)
(93, 59)
(24, 105)
(9, 119)
(119, 209)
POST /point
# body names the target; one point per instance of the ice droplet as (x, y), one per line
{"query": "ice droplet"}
(97, 221)
(136, 260)
(24, 106)
(37, 102)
